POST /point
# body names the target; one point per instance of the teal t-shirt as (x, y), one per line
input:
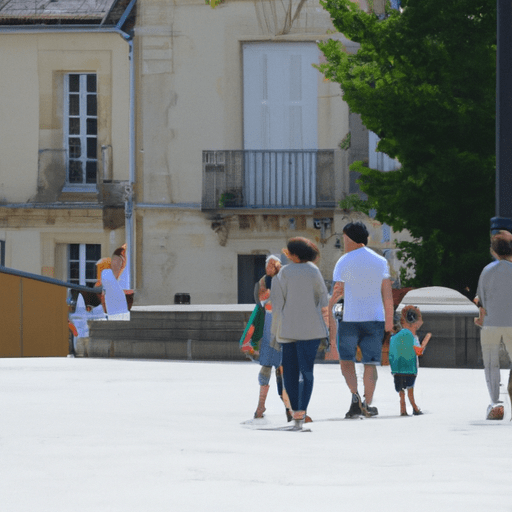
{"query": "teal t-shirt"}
(402, 356)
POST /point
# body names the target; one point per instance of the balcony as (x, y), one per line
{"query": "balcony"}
(270, 179)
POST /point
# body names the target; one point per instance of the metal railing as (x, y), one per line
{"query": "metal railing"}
(50, 280)
(268, 179)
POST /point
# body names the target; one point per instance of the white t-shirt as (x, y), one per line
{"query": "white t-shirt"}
(362, 272)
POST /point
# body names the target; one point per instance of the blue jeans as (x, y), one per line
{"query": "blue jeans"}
(298, 361)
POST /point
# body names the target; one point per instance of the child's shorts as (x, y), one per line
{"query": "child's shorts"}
(404, 381)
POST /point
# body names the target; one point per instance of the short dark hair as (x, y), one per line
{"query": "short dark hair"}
(303, 248)
(357, 232)
(501, 246)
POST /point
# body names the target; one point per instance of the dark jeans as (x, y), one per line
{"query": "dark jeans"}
(298, 362)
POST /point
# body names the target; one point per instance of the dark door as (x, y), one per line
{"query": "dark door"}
(251, 268)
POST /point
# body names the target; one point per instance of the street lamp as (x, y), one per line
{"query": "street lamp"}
(503, 218)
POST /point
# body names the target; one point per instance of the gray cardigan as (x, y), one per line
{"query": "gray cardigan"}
(298, 296)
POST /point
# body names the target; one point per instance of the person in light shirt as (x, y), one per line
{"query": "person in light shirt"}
(494, 298)
(362, 277)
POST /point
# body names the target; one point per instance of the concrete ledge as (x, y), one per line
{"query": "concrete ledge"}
(211, 332)
(190, 308)
(188, 332)
(100, 347)
(449, 316)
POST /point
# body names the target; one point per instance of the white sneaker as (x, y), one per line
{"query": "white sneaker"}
(298, 424)
(495, 412)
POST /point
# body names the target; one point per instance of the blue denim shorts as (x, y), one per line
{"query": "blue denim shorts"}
(367, 335)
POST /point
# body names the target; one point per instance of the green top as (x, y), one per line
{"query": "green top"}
(402, 356)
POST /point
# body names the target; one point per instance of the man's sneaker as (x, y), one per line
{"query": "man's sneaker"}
(354, 411)
(370, 411)
(355, 407)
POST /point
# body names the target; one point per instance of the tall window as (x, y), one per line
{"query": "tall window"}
(82, 260)
(280, 96)
(280, 89)
(81, 128)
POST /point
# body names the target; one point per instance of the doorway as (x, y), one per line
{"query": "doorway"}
(251, 267)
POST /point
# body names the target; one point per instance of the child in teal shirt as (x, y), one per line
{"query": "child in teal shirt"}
(404, 349)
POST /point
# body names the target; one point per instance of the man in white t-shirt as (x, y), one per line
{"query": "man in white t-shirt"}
(361, 277)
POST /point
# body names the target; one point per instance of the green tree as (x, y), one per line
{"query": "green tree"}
(424, 81)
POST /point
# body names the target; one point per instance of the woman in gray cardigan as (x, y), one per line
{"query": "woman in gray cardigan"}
(298, 296)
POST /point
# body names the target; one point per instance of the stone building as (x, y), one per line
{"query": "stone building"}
(237, 145)
(202, 137)
(64, 134)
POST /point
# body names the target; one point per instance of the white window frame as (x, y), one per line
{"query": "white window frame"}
(83, 136)
(280, 90)
(82, 263)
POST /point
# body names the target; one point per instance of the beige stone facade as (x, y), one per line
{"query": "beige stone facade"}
(40, 214)
(190, 99)
(189, 114)
(64, 132)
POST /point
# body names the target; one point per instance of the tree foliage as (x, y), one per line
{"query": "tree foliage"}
(424, 81)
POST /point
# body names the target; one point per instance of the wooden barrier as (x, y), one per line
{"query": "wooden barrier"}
(33, 315)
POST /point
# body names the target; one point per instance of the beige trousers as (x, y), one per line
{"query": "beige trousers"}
(490, 339)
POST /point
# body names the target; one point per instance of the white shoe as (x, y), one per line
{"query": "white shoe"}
(495, 412)
(298, 424)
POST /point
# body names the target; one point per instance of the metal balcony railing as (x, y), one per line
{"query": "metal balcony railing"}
(268, 179)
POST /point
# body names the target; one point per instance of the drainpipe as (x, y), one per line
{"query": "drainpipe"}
(130, 231)
(503, 208)
(34, 29)
(128, 204)
(128, 199)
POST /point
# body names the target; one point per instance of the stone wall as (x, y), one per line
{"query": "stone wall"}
(212, 332)
(182, 332)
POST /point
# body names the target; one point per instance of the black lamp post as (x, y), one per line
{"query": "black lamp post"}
(503, 219)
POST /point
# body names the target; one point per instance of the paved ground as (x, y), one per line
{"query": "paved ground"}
(116, 435)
